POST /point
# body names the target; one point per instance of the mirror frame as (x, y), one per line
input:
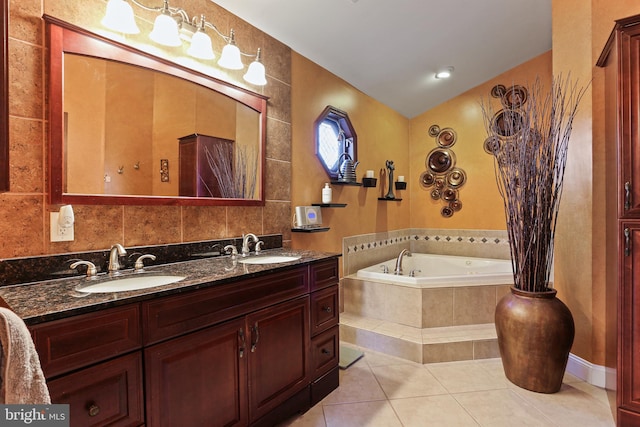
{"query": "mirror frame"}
(67, 38)
(4, 102)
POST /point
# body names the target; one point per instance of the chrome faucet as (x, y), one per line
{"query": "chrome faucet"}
(245, 243)
(116, 252)
(398, 269)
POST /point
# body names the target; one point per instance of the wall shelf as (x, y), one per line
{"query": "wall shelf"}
(309, 230)
(330, 205)
(346, 183)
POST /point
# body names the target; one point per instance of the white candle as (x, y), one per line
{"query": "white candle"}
(401, 178)
(369, 174)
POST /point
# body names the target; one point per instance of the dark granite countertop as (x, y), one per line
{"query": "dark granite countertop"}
(55, 299)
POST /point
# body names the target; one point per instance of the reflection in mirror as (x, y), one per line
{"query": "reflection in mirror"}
(134, 129)
(121, 121)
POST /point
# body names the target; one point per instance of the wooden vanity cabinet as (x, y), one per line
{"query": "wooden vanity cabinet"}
(250, 352)
(93, 363)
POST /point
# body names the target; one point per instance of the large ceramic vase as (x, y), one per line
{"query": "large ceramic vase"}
(535, 334)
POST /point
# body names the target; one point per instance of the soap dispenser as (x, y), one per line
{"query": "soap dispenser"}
(326, 194)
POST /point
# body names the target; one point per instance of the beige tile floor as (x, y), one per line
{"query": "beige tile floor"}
(384, 391)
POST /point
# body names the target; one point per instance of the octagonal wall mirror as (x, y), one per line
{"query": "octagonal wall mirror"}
(128, 127)
(335, 140)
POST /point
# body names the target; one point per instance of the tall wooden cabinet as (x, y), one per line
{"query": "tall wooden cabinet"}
(621, 61)
(203, 160)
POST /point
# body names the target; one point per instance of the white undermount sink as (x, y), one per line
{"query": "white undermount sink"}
(269, 259)
(134, 283)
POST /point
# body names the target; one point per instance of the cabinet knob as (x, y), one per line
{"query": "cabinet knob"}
(327, 309)
(94, 410)
(325, 351)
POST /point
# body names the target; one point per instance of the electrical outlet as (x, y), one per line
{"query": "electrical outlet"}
(57, 233)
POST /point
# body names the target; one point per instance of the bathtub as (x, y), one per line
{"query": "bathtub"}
(442, 271)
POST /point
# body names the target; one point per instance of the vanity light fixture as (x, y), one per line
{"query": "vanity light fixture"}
(230, 57)
(165, 28)
(173, 24)
(119, 17)
(201, 43)
(445, 73)
(255, 73)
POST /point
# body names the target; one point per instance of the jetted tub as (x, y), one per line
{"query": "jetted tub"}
(431, 271)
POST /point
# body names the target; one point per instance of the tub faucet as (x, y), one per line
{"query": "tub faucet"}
(398, 269)
(245, 243)
(116, 252)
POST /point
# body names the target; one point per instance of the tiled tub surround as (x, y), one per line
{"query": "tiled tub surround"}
(422, 325)
(368, 249)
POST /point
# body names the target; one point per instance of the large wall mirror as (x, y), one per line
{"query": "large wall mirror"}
(131, 128)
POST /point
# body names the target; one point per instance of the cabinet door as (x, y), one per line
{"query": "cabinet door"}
(107, 394)
(198, 379)
(279, 356)
(629, 142)
(629, 320)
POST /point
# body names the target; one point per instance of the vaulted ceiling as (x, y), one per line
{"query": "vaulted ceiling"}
(391, 49)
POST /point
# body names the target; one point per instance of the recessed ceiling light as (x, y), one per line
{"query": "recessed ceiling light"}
(445, 73)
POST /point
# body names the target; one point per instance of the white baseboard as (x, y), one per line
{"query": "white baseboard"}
(599, 376)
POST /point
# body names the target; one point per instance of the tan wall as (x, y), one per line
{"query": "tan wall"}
(383, 134)
(586, 281)
(482, 206)
(98, 227)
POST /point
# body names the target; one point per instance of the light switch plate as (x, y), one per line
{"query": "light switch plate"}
(57, 233)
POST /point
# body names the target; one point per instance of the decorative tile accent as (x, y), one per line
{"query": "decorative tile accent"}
(358, 246)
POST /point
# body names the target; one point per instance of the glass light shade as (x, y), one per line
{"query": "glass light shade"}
(119, 17)
(230, 57)
(201, 46)
(165, 31)
(255, 74)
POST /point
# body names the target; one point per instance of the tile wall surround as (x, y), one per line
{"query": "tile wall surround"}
(97, 227)
(36, 269)
(367, 249)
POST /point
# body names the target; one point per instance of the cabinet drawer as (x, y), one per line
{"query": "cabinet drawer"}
(324, 309)
(176, 315)
(68, 344)
(325, 352)
(106, 394)
(324, 274)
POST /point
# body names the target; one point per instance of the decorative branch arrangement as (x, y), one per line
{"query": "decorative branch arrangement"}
(529, 140)
(238, 181)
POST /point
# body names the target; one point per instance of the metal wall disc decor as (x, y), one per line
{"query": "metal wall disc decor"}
(446, 138)
(440, 160)
(442, 177)
(508, 121)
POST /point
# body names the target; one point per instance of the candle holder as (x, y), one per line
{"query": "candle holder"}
(401, 185)
(369, 182)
